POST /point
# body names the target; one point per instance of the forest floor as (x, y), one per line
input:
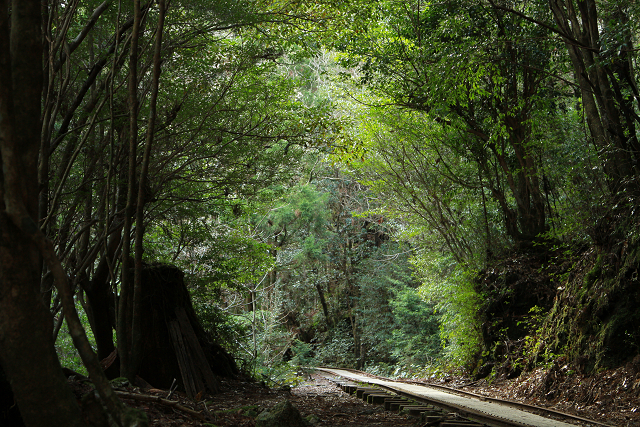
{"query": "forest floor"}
(319, 401)
(610, 397)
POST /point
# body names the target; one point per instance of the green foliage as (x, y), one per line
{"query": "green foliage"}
(223, 327)
(302, 354)
(471, 130)
(301, 214)
(467, 123)
(415, 337)
(266, 361)
(67, 353)
(460, 131)
(429, 182)
(212, 255)
(593, 321)
(397, 326)
(535, 352)
(337, 347)
(329, 246)
(451, 289)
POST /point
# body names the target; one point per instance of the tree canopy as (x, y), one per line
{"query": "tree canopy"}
(336, 179)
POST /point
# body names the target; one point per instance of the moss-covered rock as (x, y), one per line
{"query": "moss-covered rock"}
(576, 307)
(284, 414)
(120, 382)
(595, 321)
(312, 419)
(516, 291)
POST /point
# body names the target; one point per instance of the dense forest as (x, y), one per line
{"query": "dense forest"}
(385, 185)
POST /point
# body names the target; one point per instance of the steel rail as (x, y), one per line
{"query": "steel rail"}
(539, 410)
(475, 415)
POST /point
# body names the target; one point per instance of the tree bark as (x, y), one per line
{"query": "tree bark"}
(126, 285)
(100, 300)
(27, 352)
(136, 330)
(323, 301)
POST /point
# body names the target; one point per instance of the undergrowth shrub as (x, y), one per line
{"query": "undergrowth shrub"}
(449, 286)
(337, 348)
(67, 352)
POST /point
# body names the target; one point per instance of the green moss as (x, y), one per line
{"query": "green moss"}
(134, 418)
(120, 382)
(247, 410)
(591, 319)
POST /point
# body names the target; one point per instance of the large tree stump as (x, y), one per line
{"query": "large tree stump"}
(174, 343)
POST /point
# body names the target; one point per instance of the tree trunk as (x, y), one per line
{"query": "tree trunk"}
(27, 352)
(101, 300)
(323, 301)
(165, 294)
(136, 331)
(580, 26)
(126, 286)
(27, 349)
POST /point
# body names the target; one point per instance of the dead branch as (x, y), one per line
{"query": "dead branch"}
(158, 399)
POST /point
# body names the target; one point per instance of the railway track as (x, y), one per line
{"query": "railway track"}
(441, 406)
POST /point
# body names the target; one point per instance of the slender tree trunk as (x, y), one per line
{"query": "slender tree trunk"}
(100, 299)
(356, 341)
(323, 301)
(487, 230)
(126, 291)
(136, 332)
